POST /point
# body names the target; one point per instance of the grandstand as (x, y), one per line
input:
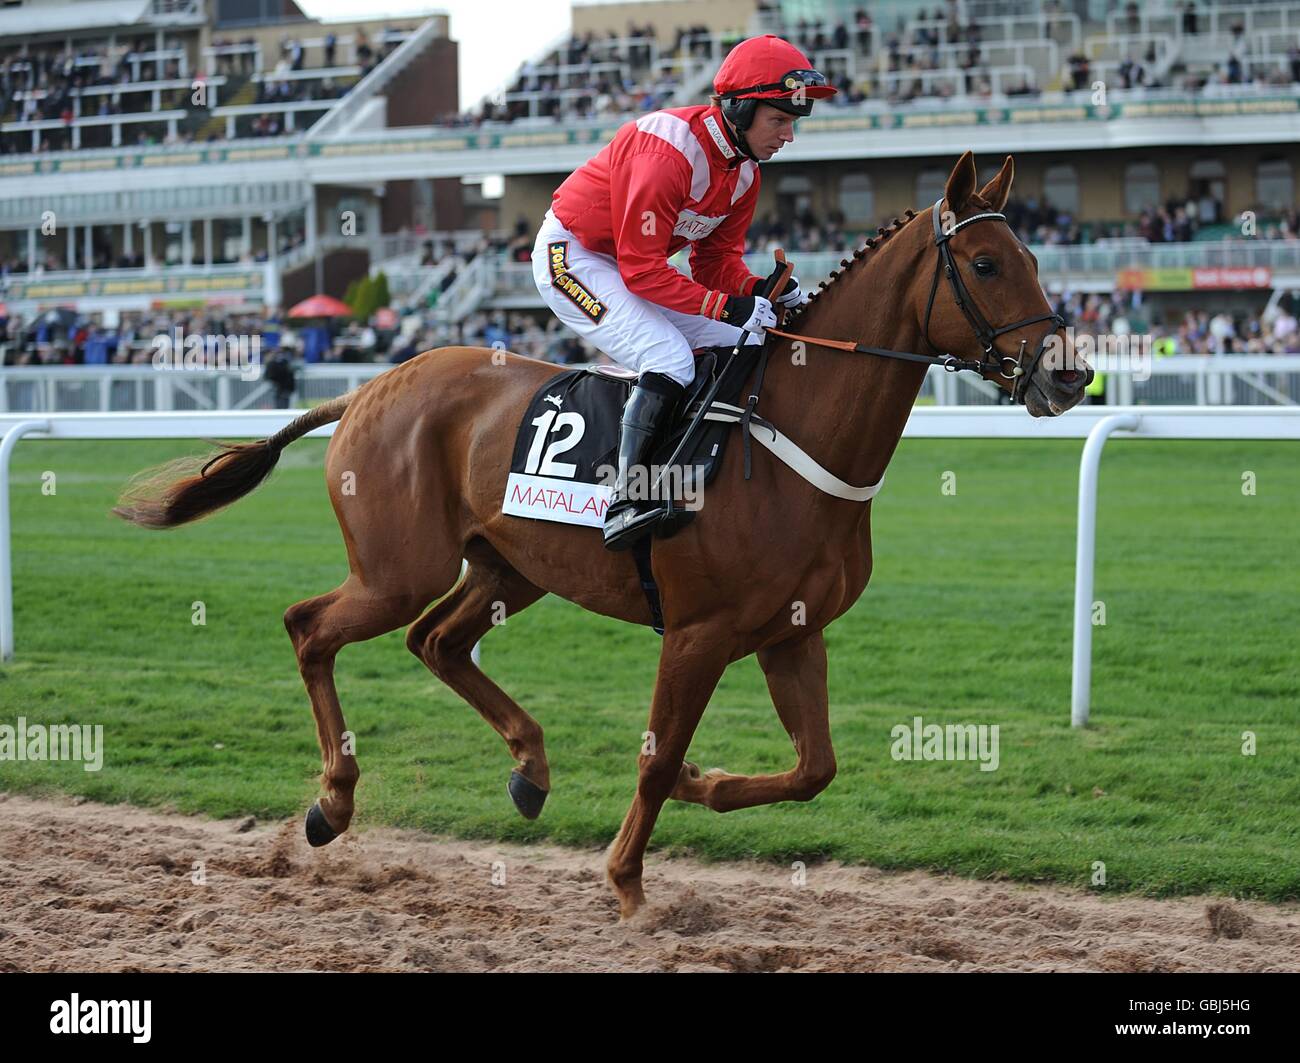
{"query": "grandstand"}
(157, 150)
(215, 161)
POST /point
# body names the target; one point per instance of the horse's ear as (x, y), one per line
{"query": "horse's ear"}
(998, 190)
(961, 183)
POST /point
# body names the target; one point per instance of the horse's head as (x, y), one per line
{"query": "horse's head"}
(985, 302)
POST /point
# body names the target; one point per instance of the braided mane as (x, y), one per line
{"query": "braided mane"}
(882, 234)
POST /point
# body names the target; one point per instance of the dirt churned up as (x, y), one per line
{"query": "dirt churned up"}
(91, 887)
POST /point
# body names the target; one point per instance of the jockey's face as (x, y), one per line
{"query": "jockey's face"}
(770, 132)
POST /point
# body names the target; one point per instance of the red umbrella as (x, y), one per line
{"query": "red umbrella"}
(321, 306)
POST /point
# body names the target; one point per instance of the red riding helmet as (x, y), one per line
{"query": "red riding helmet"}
(770, 70)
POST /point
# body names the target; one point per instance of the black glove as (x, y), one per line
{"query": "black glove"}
(753, 313)
(789, 296)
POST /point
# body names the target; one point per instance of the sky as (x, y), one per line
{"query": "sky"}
(495, 36)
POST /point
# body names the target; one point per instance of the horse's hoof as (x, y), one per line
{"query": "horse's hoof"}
(319, 832)
(527, 795)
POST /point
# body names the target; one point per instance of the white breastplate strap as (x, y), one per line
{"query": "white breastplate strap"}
(787, 451)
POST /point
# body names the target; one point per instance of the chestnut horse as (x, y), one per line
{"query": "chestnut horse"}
(426, 448)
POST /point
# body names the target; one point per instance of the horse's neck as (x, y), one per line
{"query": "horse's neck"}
(848, 410)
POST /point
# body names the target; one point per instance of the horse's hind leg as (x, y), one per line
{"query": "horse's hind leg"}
(319, 628)
(443, 639)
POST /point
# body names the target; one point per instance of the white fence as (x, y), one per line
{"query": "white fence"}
(144, 389)
(1183, 380)
(1093, 424)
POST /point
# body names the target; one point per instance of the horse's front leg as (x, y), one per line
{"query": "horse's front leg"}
(796, 679)
(690, 665)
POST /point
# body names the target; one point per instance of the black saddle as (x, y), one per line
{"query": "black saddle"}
(704, 455)
(567, 442)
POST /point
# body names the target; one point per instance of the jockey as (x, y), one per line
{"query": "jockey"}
(688, 175)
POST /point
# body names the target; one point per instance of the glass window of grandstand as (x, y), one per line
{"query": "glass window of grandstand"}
(857, 199)
(1275, 185)
(292, 233)
(1061, 189)
(227, 240)
(1207, 187)
(793, 197)
(174, 246)
(352, 216)
(1141, 187)
(929, 187)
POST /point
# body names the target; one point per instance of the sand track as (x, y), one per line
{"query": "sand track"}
(90, 887)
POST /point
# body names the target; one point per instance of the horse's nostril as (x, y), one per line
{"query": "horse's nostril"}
(1067, 376)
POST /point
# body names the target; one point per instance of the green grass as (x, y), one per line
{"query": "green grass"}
(967, 620)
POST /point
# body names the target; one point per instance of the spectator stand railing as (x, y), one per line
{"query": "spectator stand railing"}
(217, 52)
(415, 42)
(1061, 263)
(1201, 380)
(315, 73)
(115, 92)
(115, 121)
(1002, 79)
(1066, 261)
(314, 48)
(412, 284)
(290, 110)
(1104, 48)
(694, 67)
(177, 13)
(472, 287)
(1218, 19)
(1005, 29)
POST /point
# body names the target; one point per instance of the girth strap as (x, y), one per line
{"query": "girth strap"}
(641, 554)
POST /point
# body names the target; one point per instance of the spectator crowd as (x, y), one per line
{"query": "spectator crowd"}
(1034, 222)
(129, 338)
(105, 257)
(1191, 331)
(42, 83)
(937, 55)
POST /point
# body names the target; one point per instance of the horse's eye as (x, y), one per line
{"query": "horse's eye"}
(985, 267)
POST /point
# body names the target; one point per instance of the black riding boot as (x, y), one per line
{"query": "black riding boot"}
(648, 412)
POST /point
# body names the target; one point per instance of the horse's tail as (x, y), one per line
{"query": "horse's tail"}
(187, 489)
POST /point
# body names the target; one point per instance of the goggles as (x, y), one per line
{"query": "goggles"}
(790, 82)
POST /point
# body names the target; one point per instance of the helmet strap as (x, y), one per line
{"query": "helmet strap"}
(736, 137)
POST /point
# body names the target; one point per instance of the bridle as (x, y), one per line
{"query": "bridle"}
(984, 332)
(1005, 366)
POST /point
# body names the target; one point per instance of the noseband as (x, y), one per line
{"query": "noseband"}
(1005, 366)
